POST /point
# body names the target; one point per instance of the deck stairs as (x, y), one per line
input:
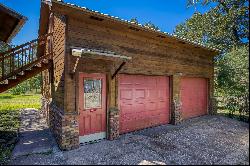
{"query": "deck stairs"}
(22, 62)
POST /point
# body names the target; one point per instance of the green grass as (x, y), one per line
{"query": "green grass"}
(10, 106)
(15, 102)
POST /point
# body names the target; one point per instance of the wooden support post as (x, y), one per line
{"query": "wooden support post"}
(117, 70)
(176, 115)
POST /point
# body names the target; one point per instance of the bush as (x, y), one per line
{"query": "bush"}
(232, 81)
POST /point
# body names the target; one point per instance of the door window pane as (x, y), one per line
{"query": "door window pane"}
(92, 93)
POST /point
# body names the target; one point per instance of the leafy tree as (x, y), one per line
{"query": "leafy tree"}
(232, 80)
(225, 25)
(31, 84)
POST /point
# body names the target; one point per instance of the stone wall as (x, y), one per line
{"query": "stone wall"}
(70, 132)
(64, 127)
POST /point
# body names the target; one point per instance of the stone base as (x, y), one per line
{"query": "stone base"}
(176, 112)
(113, 124)
(213, 106)
(45, 108)
(64, 127)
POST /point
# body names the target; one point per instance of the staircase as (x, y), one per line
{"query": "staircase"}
(22, 62)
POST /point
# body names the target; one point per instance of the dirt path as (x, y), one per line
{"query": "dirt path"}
(35, 136)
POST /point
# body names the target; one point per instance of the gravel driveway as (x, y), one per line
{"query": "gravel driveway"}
(204, 140)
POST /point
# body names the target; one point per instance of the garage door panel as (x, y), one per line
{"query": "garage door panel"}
(152, 94)
(149, 102)
(162, 105)
(140, 93)
(151, 83)
(194, 97)
(139, 107)
(151, 106)
(126, 94)
(140, 80)
(126, 107)
(161, 82)
(162, 93)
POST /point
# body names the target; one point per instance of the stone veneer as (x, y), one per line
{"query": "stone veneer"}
(176, 112)
(213, 106)
(64, 127)
(113, 123)
(45, 108)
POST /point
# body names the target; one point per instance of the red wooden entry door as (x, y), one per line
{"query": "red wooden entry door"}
(92, 104)
(143, 101)
(194, 94)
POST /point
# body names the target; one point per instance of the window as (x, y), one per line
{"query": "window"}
(92, 93)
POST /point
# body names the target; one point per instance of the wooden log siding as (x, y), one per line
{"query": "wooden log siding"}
(58, 59)
(149, 56)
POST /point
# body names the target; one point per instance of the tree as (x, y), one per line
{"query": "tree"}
(232, 81)
(29, 85)
(225, 25)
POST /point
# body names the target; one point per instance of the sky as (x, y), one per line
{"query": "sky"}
(166, 14)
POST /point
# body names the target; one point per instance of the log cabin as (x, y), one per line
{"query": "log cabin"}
(104, 76)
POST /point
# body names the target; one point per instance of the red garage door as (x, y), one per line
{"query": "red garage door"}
(143, 101)
(194, 95)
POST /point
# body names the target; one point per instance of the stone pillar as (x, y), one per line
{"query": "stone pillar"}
(45, 108)
(113, 124)
(176, 115)
(64, 128)
(70, 132)
(213, 104)
(55, 121)
(212, 101)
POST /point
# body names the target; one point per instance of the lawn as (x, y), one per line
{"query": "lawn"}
(10, 106)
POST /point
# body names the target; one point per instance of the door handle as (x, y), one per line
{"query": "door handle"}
(93, 110)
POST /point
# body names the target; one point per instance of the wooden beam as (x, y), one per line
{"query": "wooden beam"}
(117, 70)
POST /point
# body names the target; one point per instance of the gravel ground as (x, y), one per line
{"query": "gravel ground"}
(199, 141)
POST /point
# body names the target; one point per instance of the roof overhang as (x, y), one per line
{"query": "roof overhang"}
(10, 23)
(71, 9)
